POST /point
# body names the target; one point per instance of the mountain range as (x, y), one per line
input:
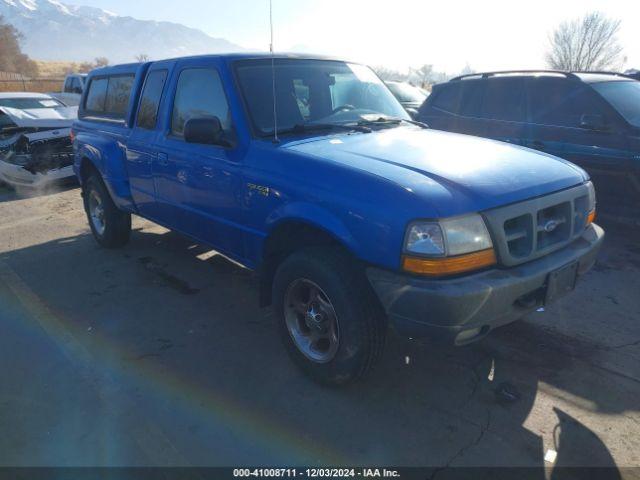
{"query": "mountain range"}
(56, 31)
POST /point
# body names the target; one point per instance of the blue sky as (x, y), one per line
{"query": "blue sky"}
(491, 34)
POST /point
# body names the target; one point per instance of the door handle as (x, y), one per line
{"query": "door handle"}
(163, 159)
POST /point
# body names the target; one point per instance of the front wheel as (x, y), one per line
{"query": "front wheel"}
(330, 321)
(111, 227)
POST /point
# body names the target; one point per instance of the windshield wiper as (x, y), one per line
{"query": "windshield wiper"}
(314, 127)
(415, 122)
(384, 120)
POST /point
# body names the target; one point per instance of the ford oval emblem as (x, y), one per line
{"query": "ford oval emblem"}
(551, 225)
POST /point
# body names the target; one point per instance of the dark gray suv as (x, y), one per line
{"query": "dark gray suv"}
(591, 119)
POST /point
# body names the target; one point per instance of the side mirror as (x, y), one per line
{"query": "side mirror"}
(593, 122)
(205, 130)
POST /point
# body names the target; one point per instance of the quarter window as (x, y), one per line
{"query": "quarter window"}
(150, 100)
(505, 100)
(471, 98)
(448, 98)
(199, 94)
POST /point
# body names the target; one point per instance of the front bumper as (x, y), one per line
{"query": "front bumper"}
(18, 176)
(462, 310)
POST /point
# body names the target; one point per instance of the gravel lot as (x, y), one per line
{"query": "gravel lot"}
(157, 354)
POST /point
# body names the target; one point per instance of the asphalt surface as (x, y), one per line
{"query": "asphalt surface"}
(158, 355)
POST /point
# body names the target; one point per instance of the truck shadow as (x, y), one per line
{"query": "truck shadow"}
(10, 194)
(187, 321)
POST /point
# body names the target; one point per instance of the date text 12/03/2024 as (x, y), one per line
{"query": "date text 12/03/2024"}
(316, 473)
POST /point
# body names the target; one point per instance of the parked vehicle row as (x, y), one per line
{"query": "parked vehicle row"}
(591, 119)
(409, 96)
(35, 142)
(356, 217)
(72, 89)
(635, 74)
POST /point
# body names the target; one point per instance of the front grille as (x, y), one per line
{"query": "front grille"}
(519, 234)
(531, 229)
(553, 225)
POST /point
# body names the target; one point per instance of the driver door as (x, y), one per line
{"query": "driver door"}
(197, 186)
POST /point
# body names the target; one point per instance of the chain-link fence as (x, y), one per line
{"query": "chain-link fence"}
(15, 82)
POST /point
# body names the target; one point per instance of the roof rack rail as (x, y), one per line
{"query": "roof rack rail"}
(604, 72)
(504, 72)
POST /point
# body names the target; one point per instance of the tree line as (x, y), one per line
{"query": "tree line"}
(11, 57)
(423, 76)
(13, 60)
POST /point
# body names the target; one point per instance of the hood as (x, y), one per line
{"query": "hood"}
(58, 117)
(455, 173)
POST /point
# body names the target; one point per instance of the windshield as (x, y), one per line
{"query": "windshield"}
(30, 103)
(624, 97)
(313, 92)
(406, 93)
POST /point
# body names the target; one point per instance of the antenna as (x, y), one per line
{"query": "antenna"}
(273, 76)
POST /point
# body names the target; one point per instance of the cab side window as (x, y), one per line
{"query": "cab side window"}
(200, 93)
(150, 100)
(118, 95)
(97, 95)
(561, 103)
(109, 96)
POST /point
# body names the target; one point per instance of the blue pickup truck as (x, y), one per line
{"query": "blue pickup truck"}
(355, 217)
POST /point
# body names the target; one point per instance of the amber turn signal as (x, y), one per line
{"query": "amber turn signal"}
(449, 265)
(591, 218)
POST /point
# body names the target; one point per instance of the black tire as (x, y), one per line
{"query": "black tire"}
(116, 223)
(361, 322)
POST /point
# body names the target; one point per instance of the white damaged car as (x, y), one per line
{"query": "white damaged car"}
(35, 142)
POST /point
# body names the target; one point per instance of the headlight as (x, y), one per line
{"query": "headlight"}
(425, 239)
(449, 237)
(448, 247)
(591, 216)
(592, 196)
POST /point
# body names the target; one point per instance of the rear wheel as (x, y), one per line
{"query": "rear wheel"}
(329, 319)
(111, 227)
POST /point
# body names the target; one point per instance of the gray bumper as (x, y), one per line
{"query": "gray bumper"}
(18, 176)
(462, 310)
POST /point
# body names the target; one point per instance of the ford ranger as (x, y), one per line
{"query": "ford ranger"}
(357, 219)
